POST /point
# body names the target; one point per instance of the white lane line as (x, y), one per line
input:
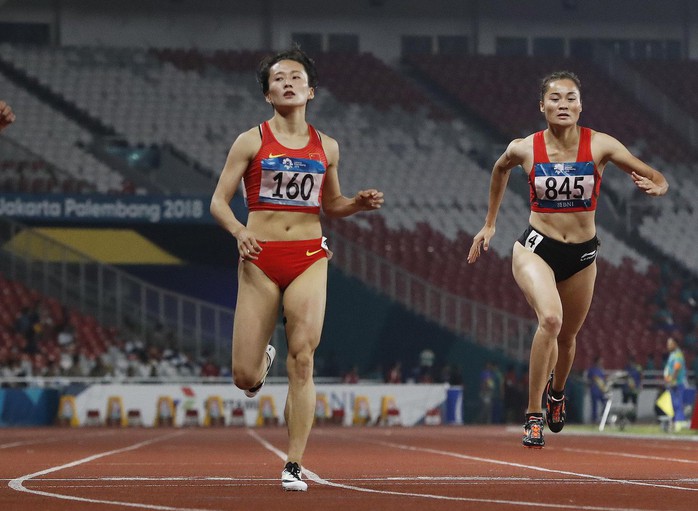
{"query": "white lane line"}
(629, 455)
(531, 467)
(76, 481)
(317, 479)
(47, 440)
(18, 483)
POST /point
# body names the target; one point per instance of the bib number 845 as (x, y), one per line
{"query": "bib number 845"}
(555, 187)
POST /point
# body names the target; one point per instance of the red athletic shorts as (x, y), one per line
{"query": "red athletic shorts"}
(283, 261)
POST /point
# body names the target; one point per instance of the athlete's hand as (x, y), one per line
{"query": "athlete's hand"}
(369, 199)
(7, 116)
(481, 239)
(649, 186)
(248, 247)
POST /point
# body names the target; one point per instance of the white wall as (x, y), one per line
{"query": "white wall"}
(258, 24)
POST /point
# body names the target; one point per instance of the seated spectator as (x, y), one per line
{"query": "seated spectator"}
(352, 376)
(395, 373)
(209, 369)
(100, 369)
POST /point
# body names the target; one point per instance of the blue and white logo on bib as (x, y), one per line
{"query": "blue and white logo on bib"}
(564, 185)
(291, 181)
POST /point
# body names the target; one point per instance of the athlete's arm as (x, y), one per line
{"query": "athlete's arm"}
(645, 177)
(241, 153)
(7, 116)
(514, 155)
(334, 204)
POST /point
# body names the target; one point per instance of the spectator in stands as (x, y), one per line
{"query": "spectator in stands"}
(7, 116)
(488, 391)
(27, 324)
(651, 363)
(426, 366)
(689, 292)
(51, 369)
(664, 319)
(66, 335)
(598, 387)
(676, 381)
(554, 259)
(74, 367)
(395, 373)
(209, 369)
(167, 367)
(690, 340)
(512, 395)
(450, 373)
(11, 366)
(100, 369)
(289, 170)
(351, 376)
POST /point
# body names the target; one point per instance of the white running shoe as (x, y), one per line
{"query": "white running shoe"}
(271, 353)
(291, 478)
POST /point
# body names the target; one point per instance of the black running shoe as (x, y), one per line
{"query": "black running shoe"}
(555, 409)
(533, 433)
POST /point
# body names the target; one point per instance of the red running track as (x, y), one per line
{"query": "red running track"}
(434, 468)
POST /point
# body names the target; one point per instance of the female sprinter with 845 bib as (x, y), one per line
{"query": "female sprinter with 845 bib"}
(289, 171)
(554, 260)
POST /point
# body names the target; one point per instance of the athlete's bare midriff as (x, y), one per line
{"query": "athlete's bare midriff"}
(284, 225)
(575, 227)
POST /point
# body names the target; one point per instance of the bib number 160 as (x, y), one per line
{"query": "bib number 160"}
(294, 187)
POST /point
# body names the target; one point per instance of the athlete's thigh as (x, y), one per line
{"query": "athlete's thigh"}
(304, 307)
(256, 314)
(576, 294)
(536, 280)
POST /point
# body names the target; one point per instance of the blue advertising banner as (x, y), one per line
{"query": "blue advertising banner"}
(28, 407)
(109, 209)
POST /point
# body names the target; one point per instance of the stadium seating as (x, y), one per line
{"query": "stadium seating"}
(607, 106)
(399, 142)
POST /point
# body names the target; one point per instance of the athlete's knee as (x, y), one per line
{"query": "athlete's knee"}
(301, 365)
(244, 378)
(565, 342)
(551, 323)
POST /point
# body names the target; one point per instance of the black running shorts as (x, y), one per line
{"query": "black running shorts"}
(565, 259)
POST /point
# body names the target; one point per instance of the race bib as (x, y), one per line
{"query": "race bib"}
(291, 181)
(564, 185)
(532, 240)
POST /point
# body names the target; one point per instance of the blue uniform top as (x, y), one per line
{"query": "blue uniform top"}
(675, 369)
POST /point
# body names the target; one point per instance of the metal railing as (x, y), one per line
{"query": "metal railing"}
(113, 297)
(117, 299)
(479, 323)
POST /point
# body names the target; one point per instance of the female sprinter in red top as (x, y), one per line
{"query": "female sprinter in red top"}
(554, 260)
(289, 171)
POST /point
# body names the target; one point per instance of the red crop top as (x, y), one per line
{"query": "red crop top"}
(564, 187)
(280, 178)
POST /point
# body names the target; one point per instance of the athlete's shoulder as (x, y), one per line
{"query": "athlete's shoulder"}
(329, 145)
(599, 137)
(249, 141)
(603, 144)
(324, 137)
(521, 147)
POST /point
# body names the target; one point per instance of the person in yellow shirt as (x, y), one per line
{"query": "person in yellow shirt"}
(675, 380)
